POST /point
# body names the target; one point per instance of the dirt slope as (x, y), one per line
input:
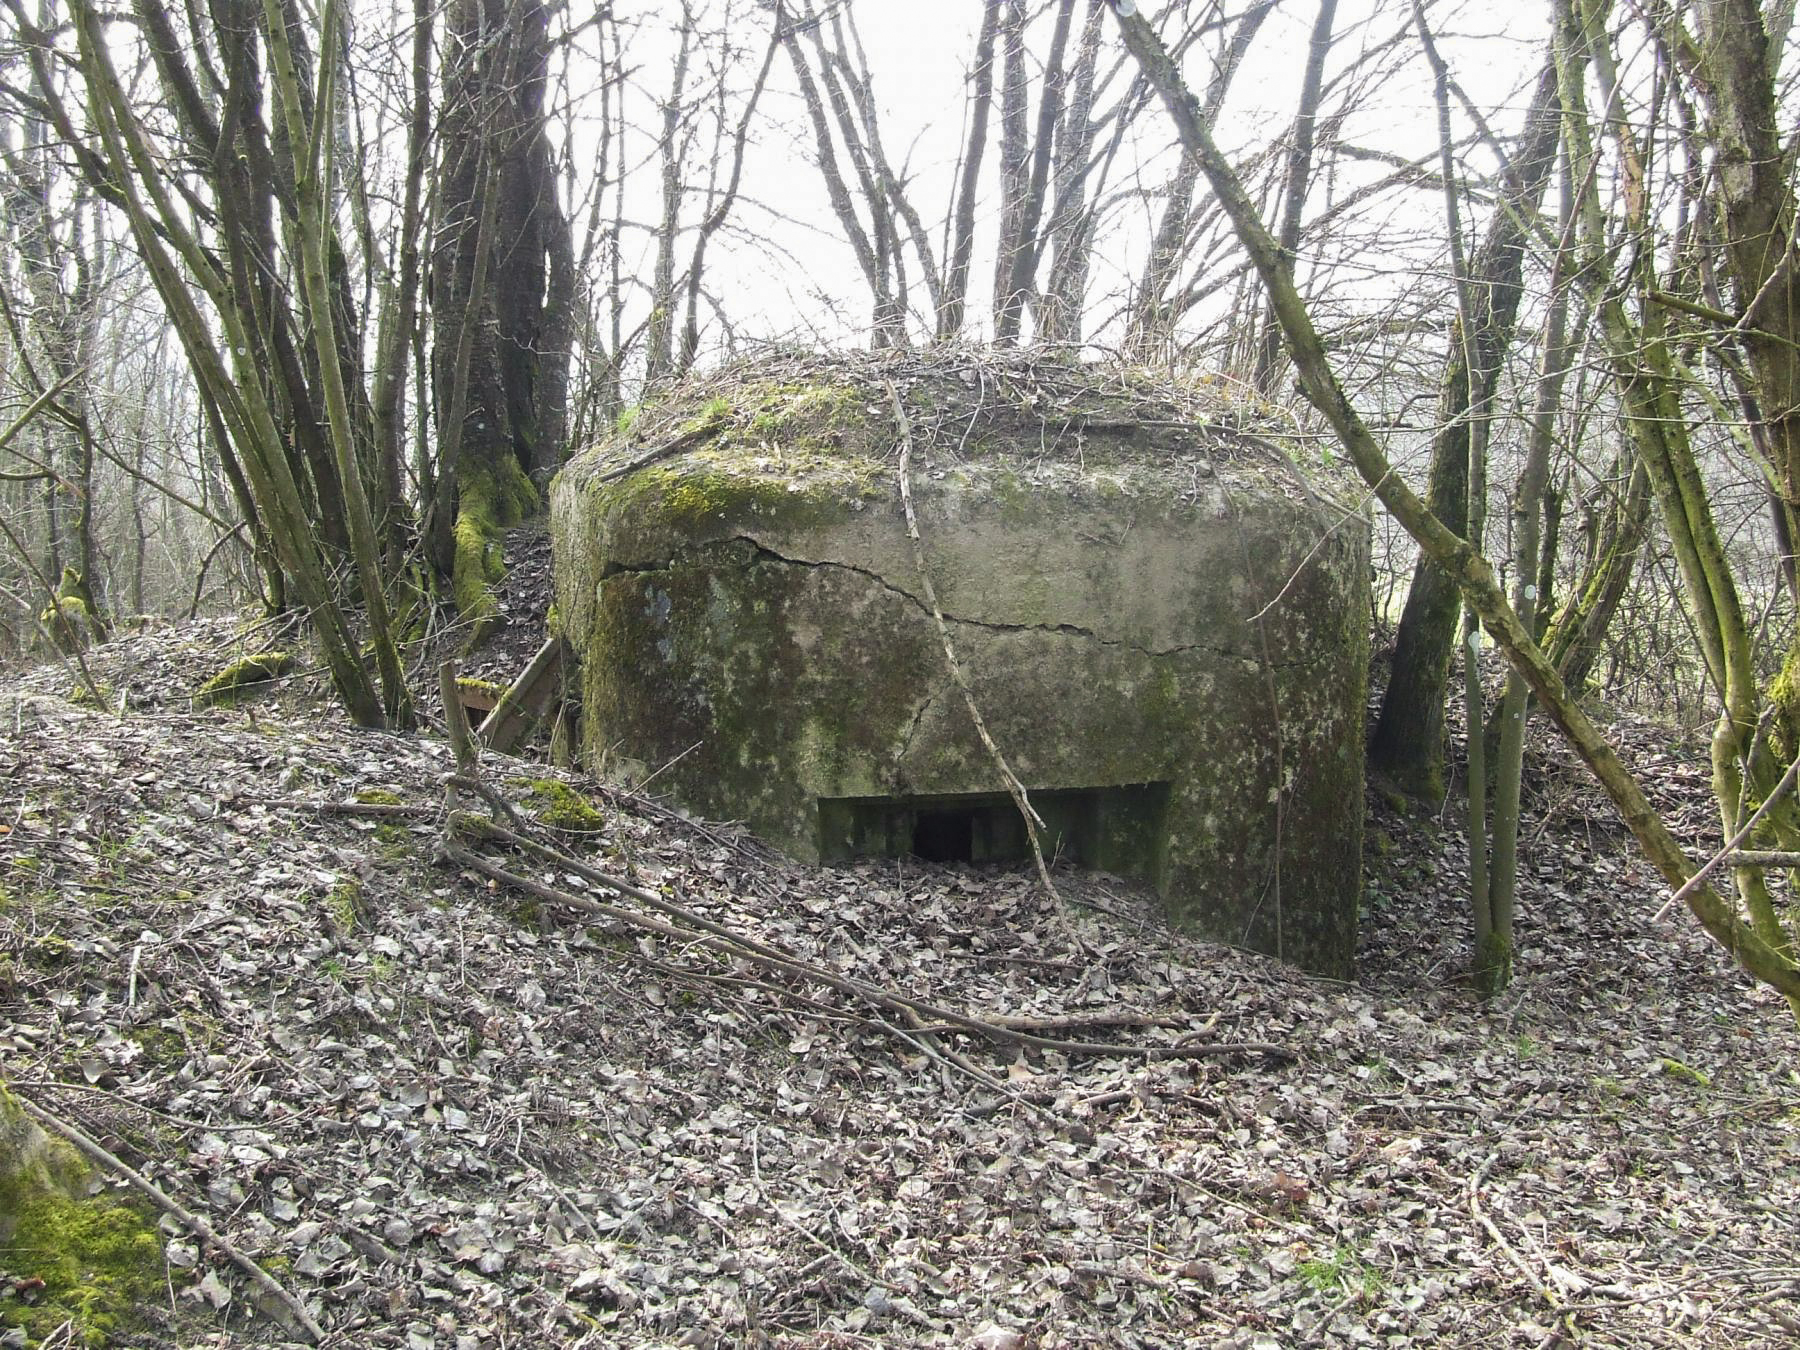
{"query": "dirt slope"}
(446, 1114)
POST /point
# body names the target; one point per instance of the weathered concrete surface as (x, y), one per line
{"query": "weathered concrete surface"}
(1135, 597)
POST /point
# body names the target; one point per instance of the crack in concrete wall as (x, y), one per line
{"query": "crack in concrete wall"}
(763, 551)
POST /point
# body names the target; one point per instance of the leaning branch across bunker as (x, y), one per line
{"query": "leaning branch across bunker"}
(1033, 821)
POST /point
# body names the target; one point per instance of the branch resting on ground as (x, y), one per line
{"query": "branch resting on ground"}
(302, 1323)
(695, 930)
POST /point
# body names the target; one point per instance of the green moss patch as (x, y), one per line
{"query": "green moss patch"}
(345, 906)
(69, 623)
(83, 697)
(561, 807)
(244, 677)
(97, 1259)
(488, 502)
(69, 617)
(391, 835)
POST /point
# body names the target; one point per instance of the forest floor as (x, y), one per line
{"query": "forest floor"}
(447, 1114)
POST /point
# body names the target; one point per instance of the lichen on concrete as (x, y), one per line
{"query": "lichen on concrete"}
(1141, 590)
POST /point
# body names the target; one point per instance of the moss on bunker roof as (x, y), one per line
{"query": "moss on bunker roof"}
(807, 414)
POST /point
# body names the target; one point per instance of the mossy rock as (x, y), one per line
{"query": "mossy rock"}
(243, 678)
(99, 1260)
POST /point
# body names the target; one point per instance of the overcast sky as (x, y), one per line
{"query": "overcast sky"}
(786, 270)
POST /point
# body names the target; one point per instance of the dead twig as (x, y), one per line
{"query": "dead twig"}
(686, 440)
(1499, 1239)
(375, 810)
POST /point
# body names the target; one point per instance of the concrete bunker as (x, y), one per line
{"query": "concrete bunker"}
(1160, 613)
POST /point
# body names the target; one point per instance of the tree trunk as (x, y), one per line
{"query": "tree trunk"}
(500, 339)
(1020, 247)
(962, 247)
(1407, 747)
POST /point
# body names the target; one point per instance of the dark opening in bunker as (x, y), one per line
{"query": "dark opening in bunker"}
(1121, 829)
(944, 836)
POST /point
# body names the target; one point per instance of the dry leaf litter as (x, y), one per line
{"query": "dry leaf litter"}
(448, 1115)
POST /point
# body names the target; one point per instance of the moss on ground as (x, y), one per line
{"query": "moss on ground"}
(98, 1260)
(344, 905)
(394, 837)
(561, 807)
(243, 677)
(83, 697)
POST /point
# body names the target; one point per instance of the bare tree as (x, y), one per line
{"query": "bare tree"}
(1767, 960)
(1407, 745)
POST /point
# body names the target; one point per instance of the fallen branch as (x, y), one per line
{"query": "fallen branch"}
(1725, 855)
(924, 1039)
(308, 1329)
(1122, 1017)
(696, 930)
(1499, 1239)
(377, 810)
(1762, 857)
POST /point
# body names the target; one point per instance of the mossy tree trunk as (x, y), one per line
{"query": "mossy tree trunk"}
(399, 312)
(1732, 71)
(500, 339)
(1494, 928)
(1616, 533)
(124, 167)
(310, 228)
